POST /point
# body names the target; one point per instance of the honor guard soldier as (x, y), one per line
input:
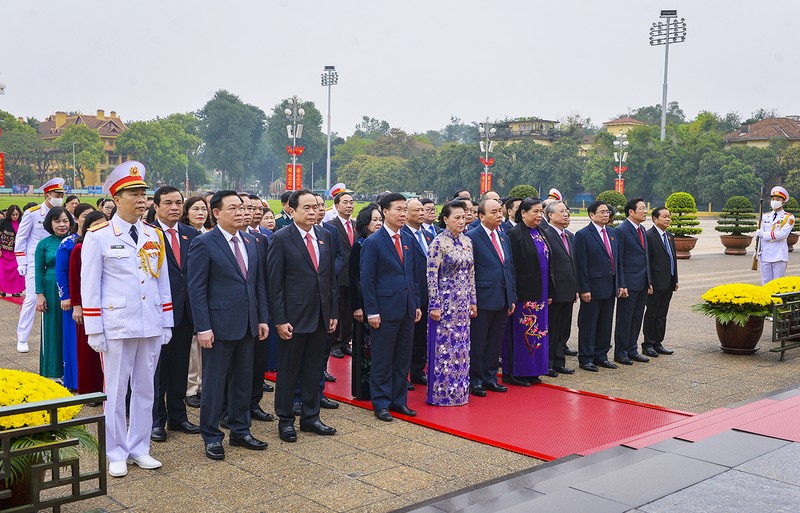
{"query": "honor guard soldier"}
(773, 232)
(31, 231)
(127, 310)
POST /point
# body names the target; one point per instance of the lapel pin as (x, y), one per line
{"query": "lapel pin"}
(247, 241)
(405, 247)
(184, 237)
(320, 242)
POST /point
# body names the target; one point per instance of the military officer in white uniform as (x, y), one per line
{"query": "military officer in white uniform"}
(30, 232)
(127, 311)
(775, 229)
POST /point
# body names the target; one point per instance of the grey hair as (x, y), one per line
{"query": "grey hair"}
(551, 207)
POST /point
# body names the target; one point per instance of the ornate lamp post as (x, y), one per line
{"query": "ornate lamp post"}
(294, 114)
(620, 156)
(487, 146)
(329, 78)
(663, 33)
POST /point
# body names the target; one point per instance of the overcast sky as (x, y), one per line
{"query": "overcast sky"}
(413, 63)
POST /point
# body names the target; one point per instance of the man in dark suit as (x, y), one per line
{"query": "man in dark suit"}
(422, 239)
(303, 293)
(172, 371)
(511, 207)
(429, 217)
(391, 305)
(563, 284)
(343, 228)
(634, 280)
(598, 268)
(664, 277)
(495, 288)
(227, 292)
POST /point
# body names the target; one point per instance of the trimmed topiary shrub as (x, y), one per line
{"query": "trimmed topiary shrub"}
(737, 217)
(523, 191)
(683, 209)
(616, 200)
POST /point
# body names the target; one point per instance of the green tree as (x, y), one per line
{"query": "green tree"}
(313, 140)
(722, 175)
(89, 151)
(651, 114)
(18, 142)
(369, 175)
(371, 128)
(397, 143)
(523, 191)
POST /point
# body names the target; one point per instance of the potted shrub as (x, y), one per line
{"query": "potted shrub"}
(737, 218)
(617, 200)
(792, 207)
(523, 191)
(738, 310)
(683, 210)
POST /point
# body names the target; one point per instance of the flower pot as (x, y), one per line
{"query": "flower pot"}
(792, 240)
(684, 246)
(736, 244)
(735, 339)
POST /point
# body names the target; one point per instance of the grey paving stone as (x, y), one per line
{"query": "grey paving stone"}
(651, 479)
(730, 448)
(668, 445)
(785, 394)
(486, 493)
(567, 501)
(426, 509)
(781, 464)
(585, 461)
(502, 502)
(730, 491)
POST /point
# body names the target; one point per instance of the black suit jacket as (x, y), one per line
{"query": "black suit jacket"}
(299, 294)
(526, 263)
(660, 274)
(420, 263)
(593, 263)
(339, 231)
(178, 280)
(563, 274)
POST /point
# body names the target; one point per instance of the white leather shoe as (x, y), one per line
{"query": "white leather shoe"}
(145, 461)
(22, 347)
(117, 468)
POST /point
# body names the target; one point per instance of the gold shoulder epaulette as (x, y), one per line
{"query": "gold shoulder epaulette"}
(34, 209)
(97, 227)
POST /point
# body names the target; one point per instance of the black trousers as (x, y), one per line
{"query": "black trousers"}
(486, 343)
(630, 312)
(419, 347)
(655, 318)
(227, 362)
(260, 357)
(171, 376)
(595, 319)
(344, 330)
(560, 318)
(301, 357)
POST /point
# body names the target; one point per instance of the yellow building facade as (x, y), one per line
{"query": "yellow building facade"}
(760, 133)
(540, 131)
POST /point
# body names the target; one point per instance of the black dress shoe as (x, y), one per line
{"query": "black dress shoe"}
(570, 352)
(347, 349)
(297, 409)
(411, 386)
(318, 427)
(478, 390)
(605, 364)
(663, 350)
(327, 404)
(193, 401)
(495, 387)
(405, 410)
(185, 427)
(384, 415)
(564, 370)
(534, 380)
(158, 434)
(249, 442)
(329, 378)
(215, 451)
(624, 361)
(337, 353)
(223, 422)
(259, 414)
(589, 367)
(552, 373)
(268, 387)
(287, 433)
(639, 358)
(420, 380)
(511, 380)
(650, 352)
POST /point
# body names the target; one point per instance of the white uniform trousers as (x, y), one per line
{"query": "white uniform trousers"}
(134, 359)
(195, 382)
(28, 312)
(772, 270)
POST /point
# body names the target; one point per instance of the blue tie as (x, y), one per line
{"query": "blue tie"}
(433, 231)
(421, 241)
(669, 252)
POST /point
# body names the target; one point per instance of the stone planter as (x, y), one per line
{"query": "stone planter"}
(792, 240)
(736, 244)
(735, 339)
(684, 246)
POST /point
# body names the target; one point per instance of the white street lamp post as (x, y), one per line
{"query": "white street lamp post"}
(664, 33)
(294, 113)
(487, 146)
(620, 157)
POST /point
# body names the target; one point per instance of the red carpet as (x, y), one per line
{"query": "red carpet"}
(15, 300)
(544, 421)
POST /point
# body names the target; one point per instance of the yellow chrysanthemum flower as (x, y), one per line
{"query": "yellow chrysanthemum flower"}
(18, 387)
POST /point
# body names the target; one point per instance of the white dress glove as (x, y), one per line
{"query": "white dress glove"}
(22, 270)
(98, 342)
(166, 335)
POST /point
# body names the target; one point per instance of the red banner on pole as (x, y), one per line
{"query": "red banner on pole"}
(289, 177)
(619, 185)
(298, 177)
(2, 169)
(486, 182)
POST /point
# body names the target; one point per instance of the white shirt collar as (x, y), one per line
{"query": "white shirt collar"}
(303, 232)
(390, 231)
(487, 230)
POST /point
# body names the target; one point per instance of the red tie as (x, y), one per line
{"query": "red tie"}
(349, 232)
(311, 252)
(641, 237)
(238, 254)
(176, 249)
(397, 246)
(497, 248)
(566, 243)
(608, 249)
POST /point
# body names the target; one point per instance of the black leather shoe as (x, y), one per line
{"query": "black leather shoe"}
(405, 410)
(639, 358)
(259, 414)
(329, 378)
(420, 380)
(268, 387)
(327, 404)
(535, 380)
(564, 370)
(495, 387)
(663, 350)
(478, 390)
(193, 401)
(589, 367)
(552, 373)
(185, 427)
(287, 434)
(223, 422)
(249, 442)
(384, 415)
(158, 434)
(319, 428)
(606, 364)
(570, 352)
(511, 380)
(650, 352)
(337, 353)
(624, 361)
(346, 349)
(411, 386)
(297, 409)
(215, 451)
